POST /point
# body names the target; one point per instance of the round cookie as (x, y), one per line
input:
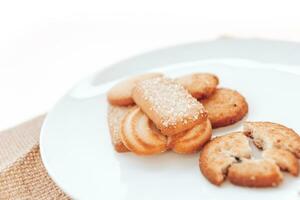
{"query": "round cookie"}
(229, 155)
(140, 135)
(121, 93)
(225, 107)
(220, 153)
(199, 85)
(192, 140)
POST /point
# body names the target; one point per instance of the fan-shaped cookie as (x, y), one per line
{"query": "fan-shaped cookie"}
(192, 140)
(115, 116)
(121, 93)
(199, 85)
(225, 107)
(140, 135)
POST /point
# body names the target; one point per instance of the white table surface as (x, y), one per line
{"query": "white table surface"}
(46, 46)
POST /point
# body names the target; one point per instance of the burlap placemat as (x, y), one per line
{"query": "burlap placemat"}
(22, 173)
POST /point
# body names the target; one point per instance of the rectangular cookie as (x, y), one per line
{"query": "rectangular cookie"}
(168, 105)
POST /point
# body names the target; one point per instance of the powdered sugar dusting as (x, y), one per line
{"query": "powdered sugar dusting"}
(171, 100)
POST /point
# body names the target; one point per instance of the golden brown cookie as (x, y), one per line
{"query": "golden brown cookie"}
(199, 85)
(255, 173)
(225, 107)
(279, 143)
(171, 108)
(284, 159)
(220, 153)
(140, 135)
(267, 135)
(115, 116)
(280, 147)
(121, 93)
(192, 140)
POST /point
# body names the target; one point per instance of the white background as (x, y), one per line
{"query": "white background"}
(46, 46)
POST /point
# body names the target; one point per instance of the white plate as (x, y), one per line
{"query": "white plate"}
(75, 142)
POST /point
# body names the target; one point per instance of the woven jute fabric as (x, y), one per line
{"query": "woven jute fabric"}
(22, 173)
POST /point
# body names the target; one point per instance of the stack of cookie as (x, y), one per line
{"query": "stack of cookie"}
(150, 114)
